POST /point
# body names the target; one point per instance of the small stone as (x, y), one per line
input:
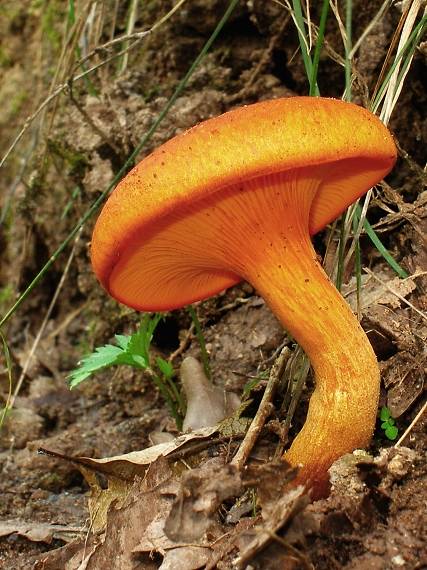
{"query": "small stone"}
(398, 560)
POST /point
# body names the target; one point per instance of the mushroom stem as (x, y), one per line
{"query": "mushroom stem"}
(343, 406)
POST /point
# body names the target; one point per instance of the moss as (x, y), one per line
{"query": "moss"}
(5, 59)
(6, 294)
(75, 161)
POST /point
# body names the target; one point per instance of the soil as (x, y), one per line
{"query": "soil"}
(375, 517)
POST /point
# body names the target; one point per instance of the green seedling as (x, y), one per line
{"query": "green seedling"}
(388, 424)
(134, 350)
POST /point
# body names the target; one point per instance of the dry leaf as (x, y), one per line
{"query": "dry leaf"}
(39, 532)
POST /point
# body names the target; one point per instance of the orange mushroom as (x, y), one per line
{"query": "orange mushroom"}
(238, 197)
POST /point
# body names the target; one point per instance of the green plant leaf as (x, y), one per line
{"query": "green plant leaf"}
(140, 342)
(122, 340)
(250, 385)
(385, 414)
(130, 350)
(391, 432)
(165, 367)
(102, 357)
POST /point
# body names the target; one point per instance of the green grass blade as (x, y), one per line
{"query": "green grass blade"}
(348, 48)
(357, 265)
(94, 207)
(341, 252)
(314, 89)
(379, 245)
(302, 36)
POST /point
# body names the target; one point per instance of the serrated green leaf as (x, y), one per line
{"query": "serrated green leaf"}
(391, 432)
(122, 340)
(103, 357)
(384, 425)
(131, 350)
(140, 341)
(165, 367)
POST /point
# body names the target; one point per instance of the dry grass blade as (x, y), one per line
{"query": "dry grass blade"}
(369, 28)
(411, 426)
(129, 30)
(395, 84)
(391, 95)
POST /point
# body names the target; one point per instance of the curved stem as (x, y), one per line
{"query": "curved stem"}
(343, 406)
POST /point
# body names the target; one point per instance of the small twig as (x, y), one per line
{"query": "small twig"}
(263, 411)
(137, 36)
(183, 344)
(236, 303)
(68, 319)
(411, 426)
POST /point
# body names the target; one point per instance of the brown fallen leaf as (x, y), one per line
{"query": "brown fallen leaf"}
(129, 465)
(201, 493)
(39, 532)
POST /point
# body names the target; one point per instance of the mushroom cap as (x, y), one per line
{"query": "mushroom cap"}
(257, 140)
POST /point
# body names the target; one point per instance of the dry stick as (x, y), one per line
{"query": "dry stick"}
(263, 411)
(44, 323)
(411, 425)
(183, 344)
(129, 29)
